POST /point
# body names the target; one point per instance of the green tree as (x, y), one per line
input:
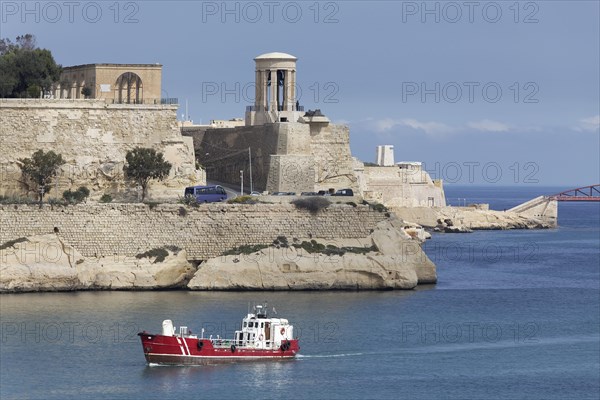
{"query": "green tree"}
(25, 70)
(87, 92)
(39, 170)
(144, 164)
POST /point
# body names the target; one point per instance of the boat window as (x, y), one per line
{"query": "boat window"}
(245, 324)
(262, 324)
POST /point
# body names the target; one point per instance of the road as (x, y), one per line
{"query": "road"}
(230, 189)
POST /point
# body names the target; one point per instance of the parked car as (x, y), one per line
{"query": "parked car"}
(309, 194)
(206, 194)
(255, 193)
(284, 194)
(344, 192)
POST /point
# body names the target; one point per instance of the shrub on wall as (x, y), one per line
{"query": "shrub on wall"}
(189, 201)
(243, 200)
(106, 198)
(159, 253)
(77, 196)
(11, 243)
(245, 249)
(312, 204)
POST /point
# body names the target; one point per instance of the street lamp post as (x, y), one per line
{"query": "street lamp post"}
(242, 182)
(250, 164)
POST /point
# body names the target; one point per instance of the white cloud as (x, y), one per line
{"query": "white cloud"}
(487, 125)
(385, 124)
(590, 124)
(430, 128)
(342, 122)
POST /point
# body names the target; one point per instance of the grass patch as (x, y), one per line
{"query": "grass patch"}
(11, 243)
(159, 253)
(245, 249)
(281, 241)
(311, 247)
(330, 250)
(16, 200)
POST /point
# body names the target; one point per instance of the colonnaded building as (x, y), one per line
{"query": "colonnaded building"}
(115, 83)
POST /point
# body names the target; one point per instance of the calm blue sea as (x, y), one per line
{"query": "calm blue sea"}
(515, 315)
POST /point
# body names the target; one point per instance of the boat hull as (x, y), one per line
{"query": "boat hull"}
(178, 350)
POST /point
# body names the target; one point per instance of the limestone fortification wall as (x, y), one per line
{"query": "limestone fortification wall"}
(93, 137)
(224, 152)
(334, 165)
(285, 156)
(397, 187)
(205, 232)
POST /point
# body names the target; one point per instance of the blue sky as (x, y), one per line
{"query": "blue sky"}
(483, 92)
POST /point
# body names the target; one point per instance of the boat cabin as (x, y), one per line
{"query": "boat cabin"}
(260, 331)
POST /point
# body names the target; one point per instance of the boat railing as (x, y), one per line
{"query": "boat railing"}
(224, 343)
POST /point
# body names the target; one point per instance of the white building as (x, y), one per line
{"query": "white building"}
(385, 155)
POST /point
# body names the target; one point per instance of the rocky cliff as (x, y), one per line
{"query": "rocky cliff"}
(46, 263)
(394, 260)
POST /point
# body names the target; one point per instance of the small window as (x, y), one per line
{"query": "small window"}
(245, 324)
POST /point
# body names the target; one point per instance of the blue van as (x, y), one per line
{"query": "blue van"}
(206, 194)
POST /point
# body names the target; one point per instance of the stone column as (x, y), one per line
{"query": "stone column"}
(286, 90)
(263, 90)
(292, 84)
(258, 90)
(273, 105)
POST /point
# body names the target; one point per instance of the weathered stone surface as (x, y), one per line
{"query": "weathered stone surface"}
(399, 187)
(100, 230)
(285, 156)
(46, 263)
(93, 138)
(54, 261)
(400, 263)
(305, 272)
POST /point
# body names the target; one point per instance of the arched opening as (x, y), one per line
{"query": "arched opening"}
(279, 92)
(129, 89)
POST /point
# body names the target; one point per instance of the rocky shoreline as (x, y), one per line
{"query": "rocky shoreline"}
(393, 260)
(468, 219)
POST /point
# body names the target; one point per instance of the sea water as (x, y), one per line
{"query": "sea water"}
(515, 314)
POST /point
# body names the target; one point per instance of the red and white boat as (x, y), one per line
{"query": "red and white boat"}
(260, 338)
